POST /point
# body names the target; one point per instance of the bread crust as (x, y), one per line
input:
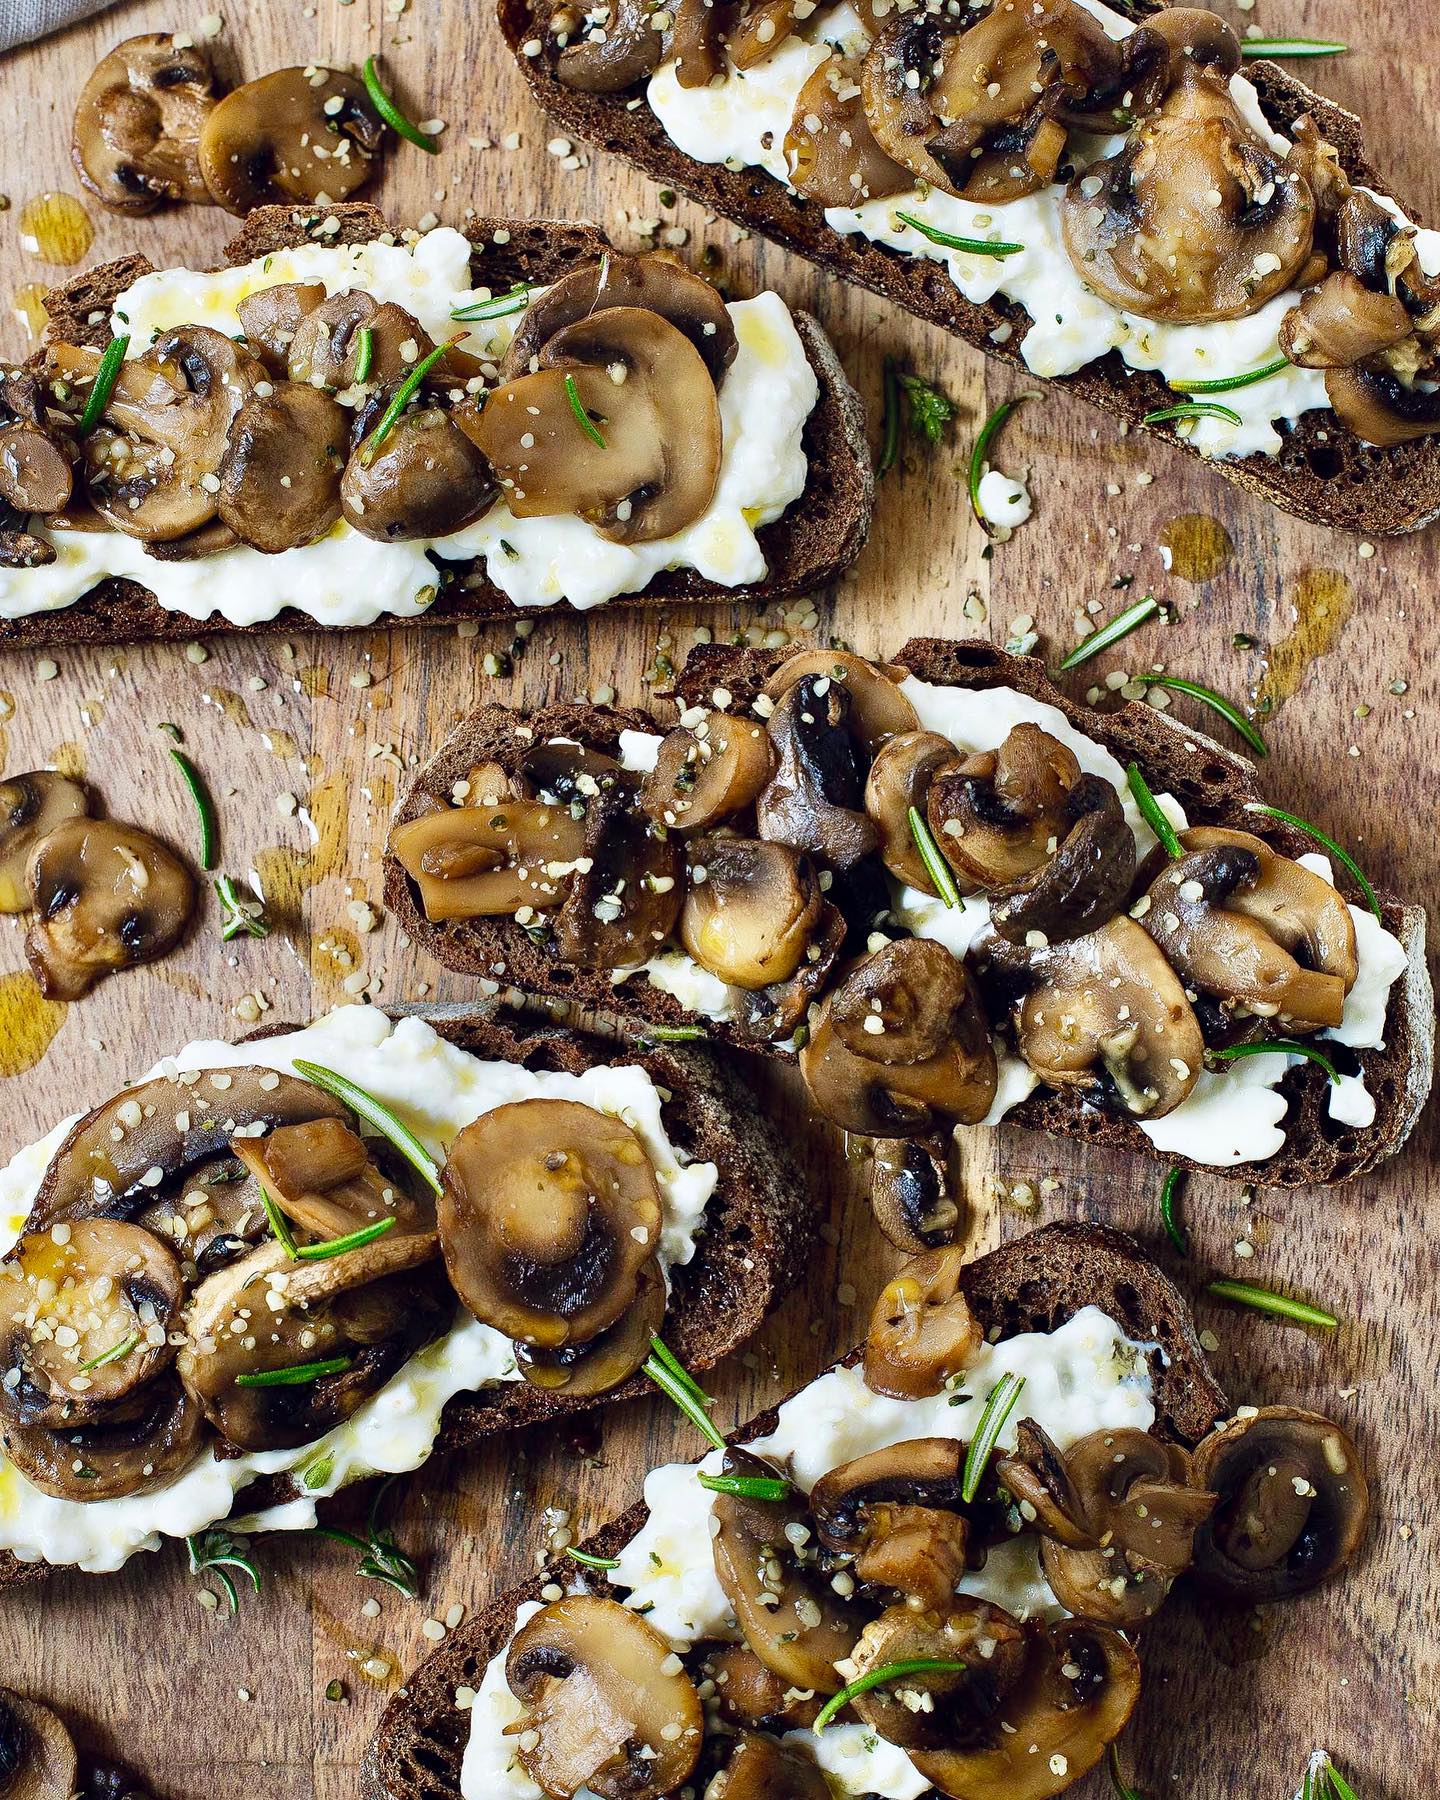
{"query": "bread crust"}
(1319, 474)
(1212, 783)
(751, 1252)
(817, 537)
(1032, 1283)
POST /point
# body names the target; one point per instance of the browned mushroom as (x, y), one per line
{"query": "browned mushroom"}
(922, 1331)
(37, 1753)
(136, 138)
(35, 469)
(625, 894)
(749, 1694)
(550, 1212)
(1000, 815)
(607, 1360)
(813, 800)
(107, 897)
(893, 1511)
(271, 316)
(1341, 322)
(1293, 1503)
(485, 860)
(707, 769)
(424, 479)
(912, 1193)
(774, 1013)
(761, 1769)
(1380, 405)
(324, 1177)
(617, 54)
(280, 474)
(755, 913)
(900, 778)
(31, 806)
(310, 135)
(142, 1448)
(607, 1707)
(830, 150)
(979, 1652)
(879, 709)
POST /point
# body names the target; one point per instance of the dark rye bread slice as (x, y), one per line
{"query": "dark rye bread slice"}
(1033, 1283)
(817, 537)
(1320, 473)
(1212, 783)
(750, 1253)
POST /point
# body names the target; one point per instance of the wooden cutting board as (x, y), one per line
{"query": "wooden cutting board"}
(1339, 633)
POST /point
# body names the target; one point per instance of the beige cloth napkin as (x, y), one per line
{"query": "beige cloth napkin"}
(22, 20)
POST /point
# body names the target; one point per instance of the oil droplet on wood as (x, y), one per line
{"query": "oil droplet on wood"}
(229, 703)
(286, 875)
(69, 759)
(315, 681)
(30, 308)
(55, 228)
(28, 1023)
(281, 744)
(1199, 546)
(1323, 601)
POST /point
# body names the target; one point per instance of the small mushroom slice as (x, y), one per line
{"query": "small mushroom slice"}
(604, 1362)
(919, 1551)
(107, 896)
(31, 806)
(830, 150)
(1085, 882)
(280, 474)
(900, 1003)
(607, 1708)
(879, 709)
(813, 800)
(142, 1448)
(761, 1769)
(290, 136)
(749, 1694)
(1341, 322)
(326, 347)
(1144, 232)
(620, 425)
(559, 772)
(912, 1193)
(768, 1565)
(930, 1710)
(900, 778)
(35, 469)
(86, 1312)
(1380, 405)
(272, 316)
(483, 861)
(707, 770)
(136, 138)
(1038, 1478)
(775, 1013)
(549, 1215)
(424, 479)
(919, 1472)
(756, 912)
(1293, 1503)
(1107, 1014)
(657, 283)
(1077, 1689)
(367, 1310)
(37, 1753)
(626, 49)
(323, 1175)
(1258, 932)
(625, 896)
(922, 1331)
(1000, 815)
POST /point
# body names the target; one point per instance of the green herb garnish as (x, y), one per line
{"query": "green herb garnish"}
(236, 919)
(391, 113)
(873, 1678)
(1343, 857)
(354, 1240)
(1260, 46)
(1226, 384)
(582, 418)
(890, 418)
(675, 1034)
(936, 866)
(103, 385)
(1276, 1046)
(985, 437)
(403, 396)
(593, 1562)
(930, 409)
(1245, 1293)
(1193, 409)
(298, 1375)
(365, 353)
(971, 246)
(1150, 812)
(316, 1474)
(1323, 1781)
(113, 1354)
(1169, 1194)
(204, 806)
(278, 1223)
(749, 1487)
(676, 1382)
(1123, 1789)
(373, 1113)
(498, 306)
(216, 1552)
(381, 1558)
(1111, 633)
(998, 1408)
(1217, 704)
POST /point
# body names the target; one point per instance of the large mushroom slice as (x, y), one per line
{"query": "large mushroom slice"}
(136, 138)
(1106, 1014)
(137, 1448)
(86, 1316)
(620, 425)
(1077, 1689)
(608, 1708)
(601, 1364)
(625, 895)
(299, 134)
(1293, 1503)
(623, 50)
(36, 465)
(549, 1214)
(37, 1753)
(879, 709)
(490, 858)
(280, 474)
(424, 479)
(1255, 931)
(813, 800)
(31, 806)
(922, 1331)
(706, 770)
(830, 149)
(1383, 405)
(322, 1175)
(981, 1653)
(1341, 322)
(756, 912)
(918, 1472)
(107, 896)
(761, 1769)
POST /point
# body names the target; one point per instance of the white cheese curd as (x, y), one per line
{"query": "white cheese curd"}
(1085, 1376)
(347, 579)
(1003, 499)
(1351, 1102)
(640, 750)
(436, 1089)
(742, 121)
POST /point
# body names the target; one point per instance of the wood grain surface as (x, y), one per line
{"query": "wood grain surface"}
(223, 1708)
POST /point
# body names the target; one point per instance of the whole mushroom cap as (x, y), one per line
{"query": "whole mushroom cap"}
(136, 137)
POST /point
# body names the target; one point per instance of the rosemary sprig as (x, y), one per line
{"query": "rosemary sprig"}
(582, 418)
(1169, 1194)
(498, 306)
(936, 866)
(1262, 1299)
(1190, 410)
(873, 1678)
(986, 436)
(403, 396)
(391, 113)
(1150, 812)
(675, 1034)
(216, 1552)
(1323, 1781)
(971, 246)
(593, 1562)
(367, 1107)
(1217, 703)
(1227, 384)
(103, 385)
(1261, 46)
(353, 1240)
(365, 353)
(381, 1558)
(1148, 607)
(278, 1223)
(676, 1382)
(1123, 1789)
(889, 419)
(298, 1375)
(204, 806)
(998, 1408)
(113, 1355)
(1276, 1047)
(749, 1487)
(236, 918)
(908, 399)
(1343, 857)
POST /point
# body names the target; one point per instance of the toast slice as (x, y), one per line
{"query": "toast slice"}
(749, 1253)
(1320, 473)
(1211, 782)
(812, 542)
(1033, 1283)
